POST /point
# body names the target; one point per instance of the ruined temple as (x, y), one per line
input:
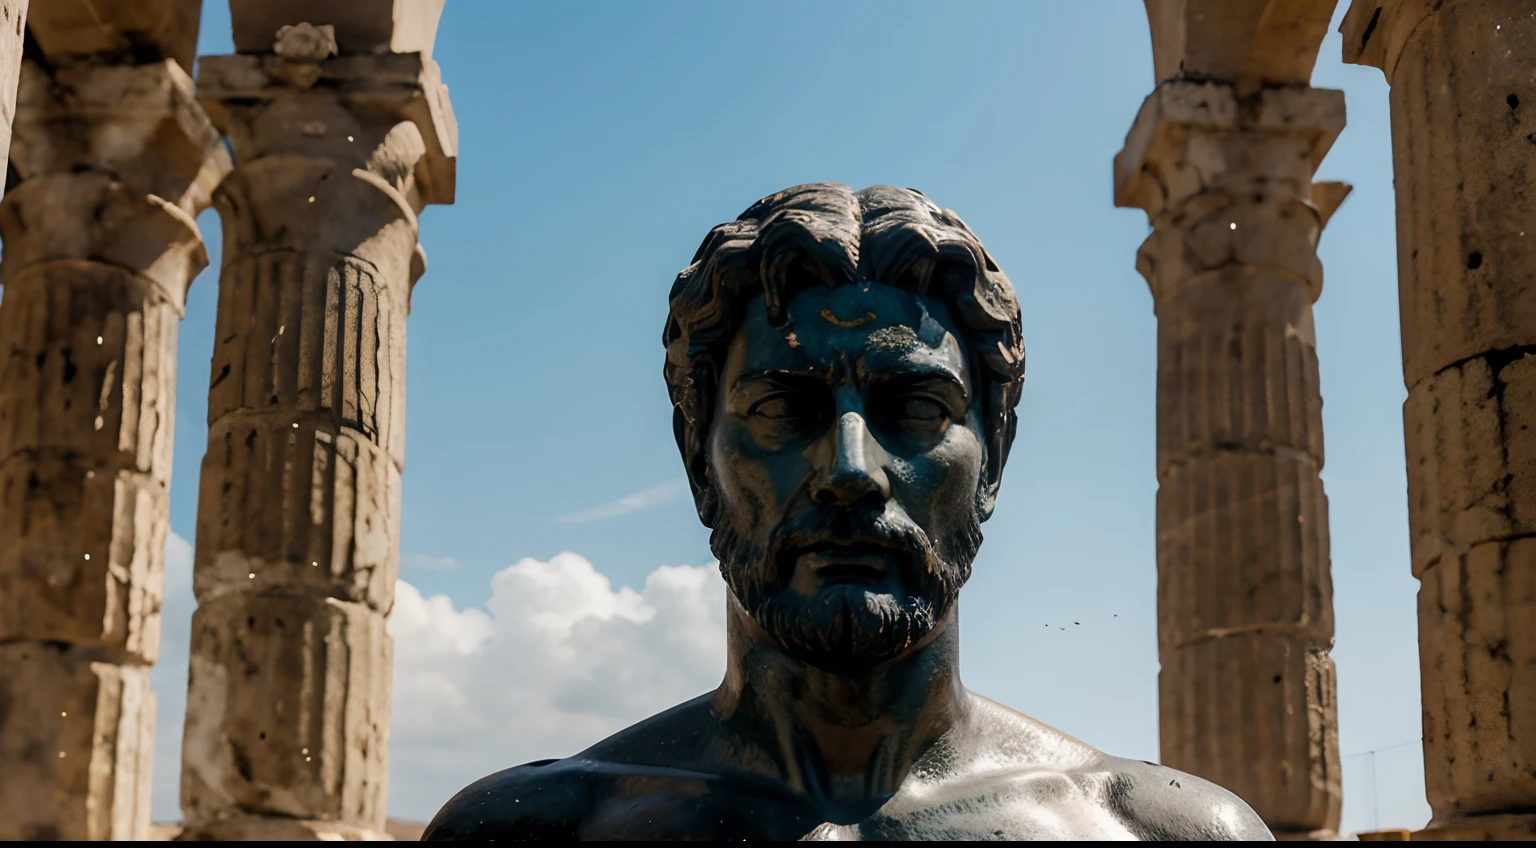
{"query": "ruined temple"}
(329, 131)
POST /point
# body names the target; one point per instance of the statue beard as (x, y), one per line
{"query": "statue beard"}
(843, 627)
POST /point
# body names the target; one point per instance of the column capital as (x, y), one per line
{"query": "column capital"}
(91, 218)
(341, 108)
(1226, 180)
(1375, 31)
(331, 79)
(140, 125)
(116, 162)
(1159, 165)
(115, 32)
(1252, 42)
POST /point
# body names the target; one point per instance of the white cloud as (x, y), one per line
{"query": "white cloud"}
(633, 502)
(426, 562)
(557, 660)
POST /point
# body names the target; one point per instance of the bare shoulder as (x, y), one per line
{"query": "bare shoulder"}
(544, 800)
(563, 799)
(1153, 802)
(1159, 803)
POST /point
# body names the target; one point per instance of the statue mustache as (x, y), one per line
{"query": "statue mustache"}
(915, 553)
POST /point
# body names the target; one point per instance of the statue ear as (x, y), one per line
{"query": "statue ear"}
(994, 457)
(693, 405)
(986, 490)
(690, 444)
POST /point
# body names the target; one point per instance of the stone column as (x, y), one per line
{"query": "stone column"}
(1463, 77)
(100, 245)
(1245, 607)
(341, 136)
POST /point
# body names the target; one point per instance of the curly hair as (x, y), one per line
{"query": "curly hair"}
(830, 234)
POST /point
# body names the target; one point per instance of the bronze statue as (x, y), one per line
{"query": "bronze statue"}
(844, 368)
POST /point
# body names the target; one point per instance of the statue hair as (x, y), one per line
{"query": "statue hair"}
(829, 234)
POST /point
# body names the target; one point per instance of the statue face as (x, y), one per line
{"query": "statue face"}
(847, 453)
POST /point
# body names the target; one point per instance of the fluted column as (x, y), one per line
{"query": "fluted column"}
(1463, 78)
(1245, 607)
(100, 245)
(288, 710)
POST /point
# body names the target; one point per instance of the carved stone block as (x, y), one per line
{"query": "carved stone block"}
(1242, 547)
(342, 108)
(1218, 39)
(1461, 143)
(1471, 445)
(96, 374)
(288, 505)
(1229, 703)
(320, 336)
(1477, 653)
(81, 556)
(1237, 366)
(76, 745)
(138, 123)
(70, 32)
(287, 711)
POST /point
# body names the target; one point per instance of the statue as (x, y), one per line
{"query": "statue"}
(844, 368)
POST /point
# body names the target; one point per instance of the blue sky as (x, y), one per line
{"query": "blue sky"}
(599, 142)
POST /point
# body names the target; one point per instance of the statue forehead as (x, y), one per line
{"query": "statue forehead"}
(882, 326)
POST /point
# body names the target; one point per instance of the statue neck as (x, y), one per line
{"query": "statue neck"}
(846, 740)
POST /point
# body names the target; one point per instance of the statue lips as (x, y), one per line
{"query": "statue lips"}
(842, 562)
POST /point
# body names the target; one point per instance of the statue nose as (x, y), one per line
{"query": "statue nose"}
(857, 470)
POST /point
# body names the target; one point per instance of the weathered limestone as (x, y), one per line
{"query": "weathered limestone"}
(100, 245)
(13, 16)
(1221, 157)
(1462, 84)
(298, 515)
(77, 741)
(1245, 42)
(116, 32)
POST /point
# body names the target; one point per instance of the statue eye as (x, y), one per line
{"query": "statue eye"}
(923, 410)
(782, 407)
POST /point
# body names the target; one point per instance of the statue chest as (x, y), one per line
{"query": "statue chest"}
(1028, 806)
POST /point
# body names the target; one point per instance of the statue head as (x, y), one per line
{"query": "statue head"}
(844, 368)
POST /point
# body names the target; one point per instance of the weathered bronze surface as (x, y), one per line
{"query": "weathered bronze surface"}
(844, 368)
